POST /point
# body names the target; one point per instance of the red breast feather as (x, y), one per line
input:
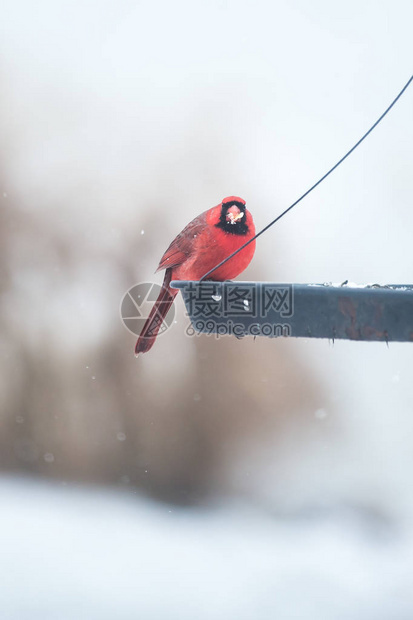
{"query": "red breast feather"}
(203, 244)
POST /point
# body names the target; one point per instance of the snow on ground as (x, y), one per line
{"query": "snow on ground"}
(70, 553)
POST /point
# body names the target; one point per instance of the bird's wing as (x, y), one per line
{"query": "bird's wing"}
(181, 247)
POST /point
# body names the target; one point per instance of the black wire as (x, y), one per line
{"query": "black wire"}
(313, 187)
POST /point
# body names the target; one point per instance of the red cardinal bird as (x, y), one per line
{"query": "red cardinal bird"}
(205, 242)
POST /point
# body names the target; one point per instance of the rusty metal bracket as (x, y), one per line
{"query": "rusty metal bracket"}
(334, 311)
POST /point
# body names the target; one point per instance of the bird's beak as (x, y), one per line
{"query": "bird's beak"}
(234, 214)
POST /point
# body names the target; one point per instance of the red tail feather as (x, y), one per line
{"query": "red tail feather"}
(157, 315)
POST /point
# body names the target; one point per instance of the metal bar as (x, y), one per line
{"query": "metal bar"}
(347, 311)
